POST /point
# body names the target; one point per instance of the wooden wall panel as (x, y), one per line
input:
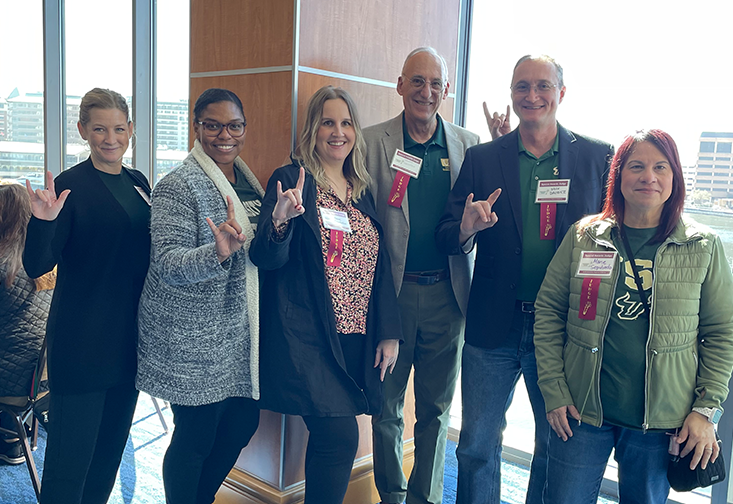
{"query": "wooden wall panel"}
(267, 104)
(371, 39)
(237, 34)
(375, 103)
(257, 458)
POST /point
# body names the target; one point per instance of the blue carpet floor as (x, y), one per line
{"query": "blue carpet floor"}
(139, 480)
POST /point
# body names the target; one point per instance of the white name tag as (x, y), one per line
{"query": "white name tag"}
(335, 219)
(553, 191)
(142, 193)
(406, 163)
(596, 264)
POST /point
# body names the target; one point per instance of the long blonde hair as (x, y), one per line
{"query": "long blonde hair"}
(15, 212)
(305, 153)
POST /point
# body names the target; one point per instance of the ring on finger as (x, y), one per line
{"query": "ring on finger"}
(707, 448)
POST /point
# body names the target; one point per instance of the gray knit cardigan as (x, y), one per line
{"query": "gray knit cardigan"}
(198, 319)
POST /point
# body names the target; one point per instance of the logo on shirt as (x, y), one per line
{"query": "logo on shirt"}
(628, 308)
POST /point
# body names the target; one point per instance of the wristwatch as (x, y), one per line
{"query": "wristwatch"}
(712, 414)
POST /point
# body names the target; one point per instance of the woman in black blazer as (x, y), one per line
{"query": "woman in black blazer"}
(93, 222)
(330, 328)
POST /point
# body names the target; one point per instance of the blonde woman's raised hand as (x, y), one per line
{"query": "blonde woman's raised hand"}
(228, 235)
(289, 203)
(44, 203)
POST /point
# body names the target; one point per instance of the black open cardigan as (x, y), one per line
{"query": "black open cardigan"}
(92, 324)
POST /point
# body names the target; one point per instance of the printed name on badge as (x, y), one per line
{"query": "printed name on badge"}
(143, 194)
(406, 163)
(335, 219)
(596, 264)
(553, 191)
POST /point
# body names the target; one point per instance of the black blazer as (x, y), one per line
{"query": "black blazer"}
(487, 167)
(302, 368)
(92, 324)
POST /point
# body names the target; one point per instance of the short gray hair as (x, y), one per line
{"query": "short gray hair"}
(429, 50)
(546, 59)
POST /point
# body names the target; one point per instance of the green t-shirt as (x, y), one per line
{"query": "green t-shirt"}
(427, 195)
(624, 344)
(249, 197)
(536, 253)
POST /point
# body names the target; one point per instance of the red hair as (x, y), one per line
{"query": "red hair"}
(614, 204)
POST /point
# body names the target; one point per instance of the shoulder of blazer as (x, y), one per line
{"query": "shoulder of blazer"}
(138, 177)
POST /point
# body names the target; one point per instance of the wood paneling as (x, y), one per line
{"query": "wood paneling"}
(237, 34)
(267, 103)
(374, 103)
(371, 39)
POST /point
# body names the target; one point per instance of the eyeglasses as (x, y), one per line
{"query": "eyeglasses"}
(213, 128)
(418, 83)
(541, 87)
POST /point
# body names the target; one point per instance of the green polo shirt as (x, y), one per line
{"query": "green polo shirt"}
(427, 196)
(536, 253)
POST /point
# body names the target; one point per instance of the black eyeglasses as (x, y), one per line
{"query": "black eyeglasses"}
(213, 128)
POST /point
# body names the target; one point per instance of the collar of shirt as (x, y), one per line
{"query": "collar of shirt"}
(331, 197)
(438, 137)
(553, 150)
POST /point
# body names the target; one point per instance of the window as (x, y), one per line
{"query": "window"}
(172, 126)
(724, 147)
(92, 42)
(21, 94)
(707, 146)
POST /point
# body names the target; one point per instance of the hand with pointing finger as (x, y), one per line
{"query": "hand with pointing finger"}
(478, 215)
(289, 203)
(228, 235)
(498, 124)
(44, 203)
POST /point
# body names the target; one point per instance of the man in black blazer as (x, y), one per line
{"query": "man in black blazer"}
(512, 202)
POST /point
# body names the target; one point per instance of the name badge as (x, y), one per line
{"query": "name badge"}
(406, 163)
(553, 191)
(144, 195)
(596, 264)
(335, 219)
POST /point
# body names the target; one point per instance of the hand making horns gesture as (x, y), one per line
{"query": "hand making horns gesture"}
(289, 203)
(477, 215)
(228, 235)
(498, 124)
(44, 203)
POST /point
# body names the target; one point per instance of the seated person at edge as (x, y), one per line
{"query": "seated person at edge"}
(199, 310)
(330, 326)
(24, 305)
(639, 346)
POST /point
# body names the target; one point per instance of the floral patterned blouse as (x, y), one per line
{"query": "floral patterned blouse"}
(351, 282)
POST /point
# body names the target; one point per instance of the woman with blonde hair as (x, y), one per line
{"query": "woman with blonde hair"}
(330, 325)
(93, 222)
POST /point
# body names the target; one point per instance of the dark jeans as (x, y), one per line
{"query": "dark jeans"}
(329, 457)
(487, 386)
(205, 445)
(576, 466)
(87, 434)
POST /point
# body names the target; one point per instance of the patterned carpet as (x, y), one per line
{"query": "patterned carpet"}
(139, 480)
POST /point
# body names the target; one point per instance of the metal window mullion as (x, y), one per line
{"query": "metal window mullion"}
(54, 87)
(462, 62)
(143, 85)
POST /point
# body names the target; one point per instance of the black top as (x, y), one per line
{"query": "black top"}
(102, 256)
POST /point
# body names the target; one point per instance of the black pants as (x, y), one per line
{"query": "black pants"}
(87, 434)
(205, 445)
(329, 458)
(333, 441)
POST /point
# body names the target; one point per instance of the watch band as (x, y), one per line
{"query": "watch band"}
(712, 414)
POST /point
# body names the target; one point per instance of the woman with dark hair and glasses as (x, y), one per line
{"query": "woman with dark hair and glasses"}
(634, 333)
(199, 310)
